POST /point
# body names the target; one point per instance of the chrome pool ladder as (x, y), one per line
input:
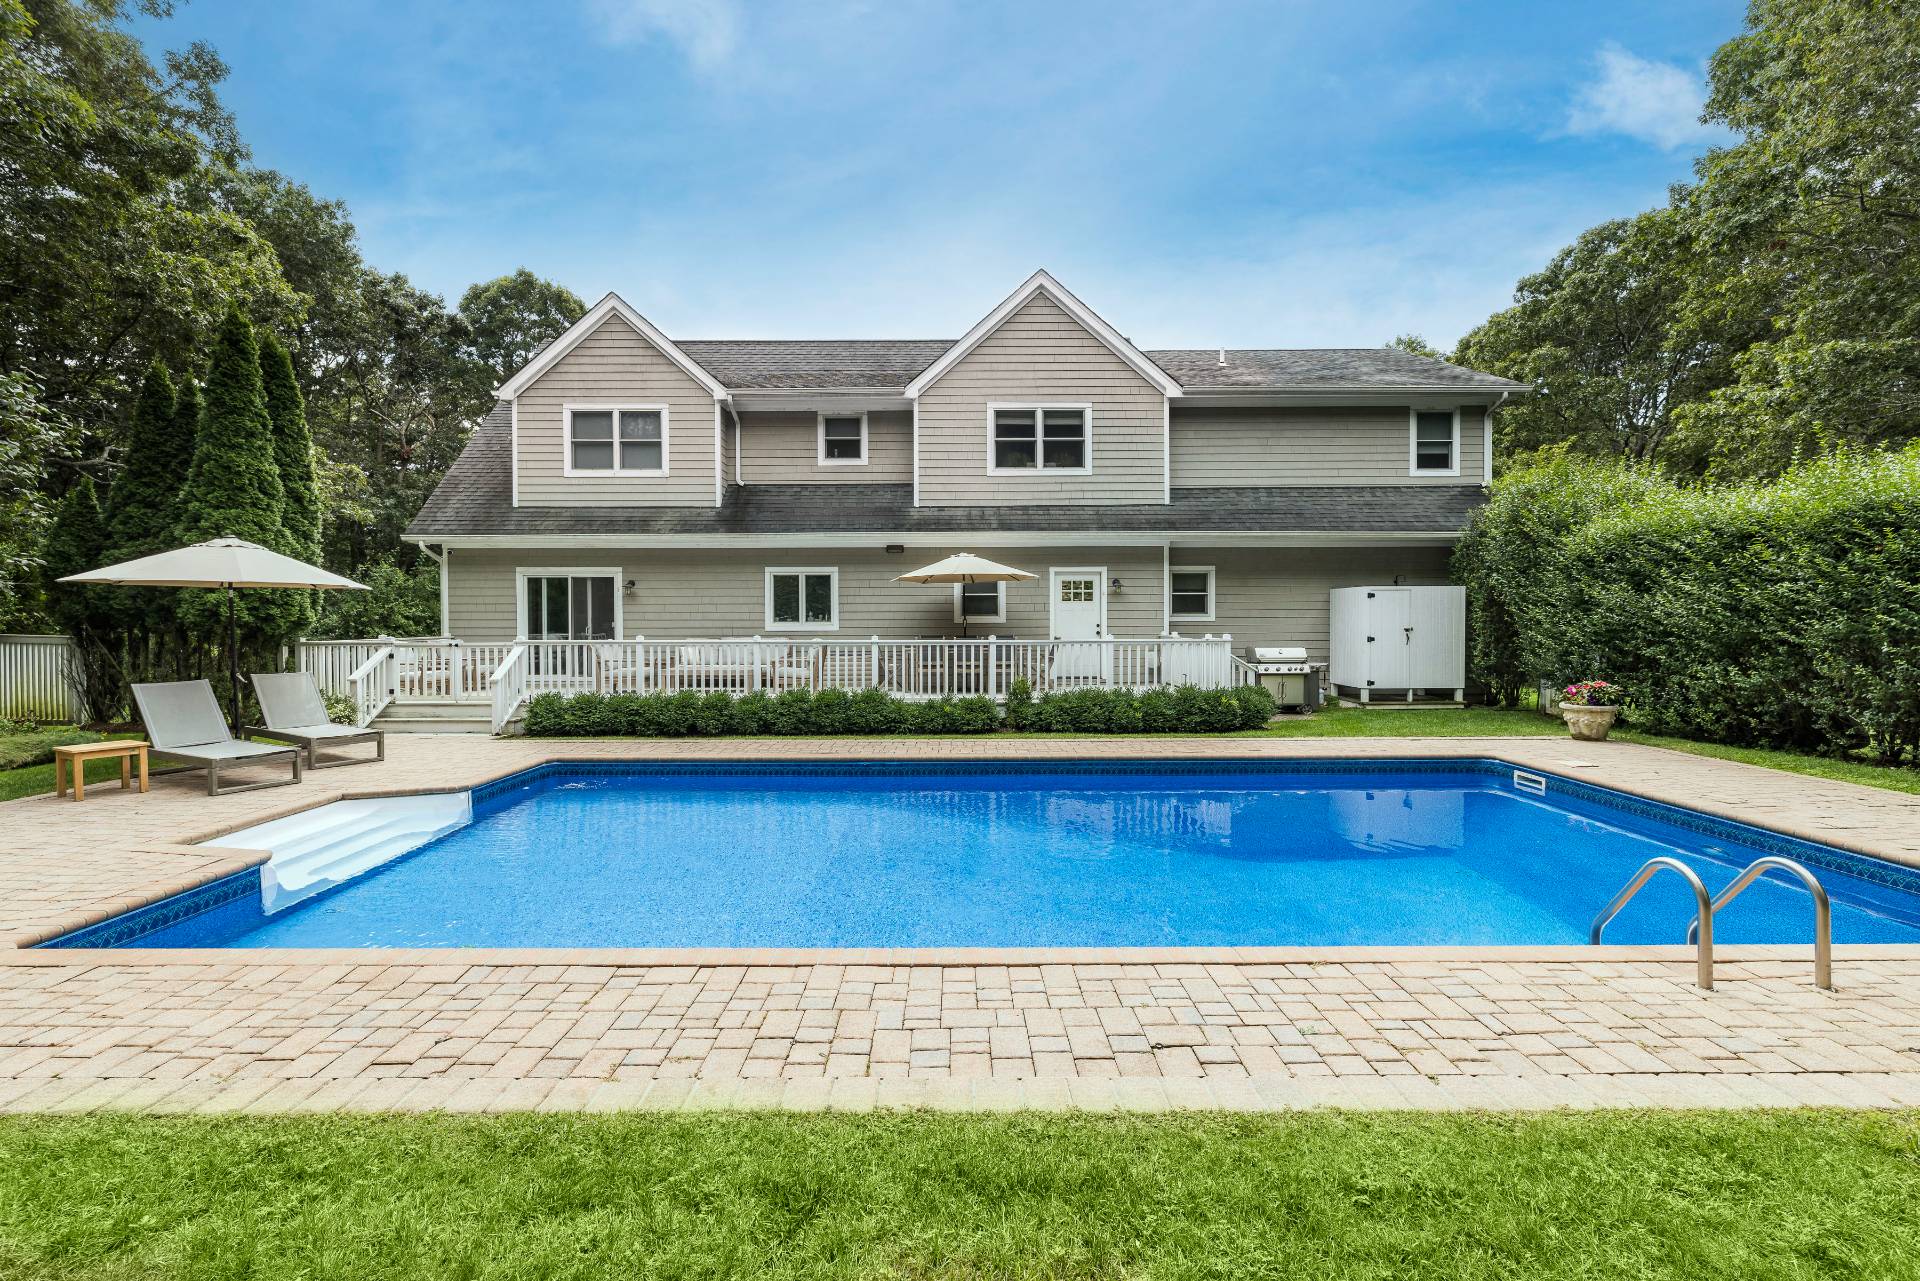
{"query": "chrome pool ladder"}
(1700, 932)
(1822, 910)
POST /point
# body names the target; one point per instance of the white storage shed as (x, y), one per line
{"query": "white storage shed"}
(1400, 640)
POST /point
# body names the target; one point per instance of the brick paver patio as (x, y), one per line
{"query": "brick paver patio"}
(1251, 1028)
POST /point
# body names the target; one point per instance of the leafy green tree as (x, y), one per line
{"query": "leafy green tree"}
(1602, 335)
(513, 316)
(30, 435)
(75, 542)
(400, 602)
(119, 245)
(1415, 345)
(1816, 211)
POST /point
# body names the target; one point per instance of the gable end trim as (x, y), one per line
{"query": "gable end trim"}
(1041, 282)
(611, 305)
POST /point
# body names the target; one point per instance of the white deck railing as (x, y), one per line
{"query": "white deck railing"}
(506, 674)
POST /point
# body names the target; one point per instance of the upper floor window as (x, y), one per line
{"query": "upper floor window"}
(803, 600)
(1190, 593)
(843, 440)
(619, 440)
(1435, 442)
(1040, 437)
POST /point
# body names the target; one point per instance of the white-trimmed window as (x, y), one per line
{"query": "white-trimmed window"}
(1190, 593)
(843, 440)
(1057, 438)
(805, 599)
(616, 440)
(979, 602)
(1433, 442)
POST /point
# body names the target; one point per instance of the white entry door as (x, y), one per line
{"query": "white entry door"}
(1390, 638)
(1078, 612)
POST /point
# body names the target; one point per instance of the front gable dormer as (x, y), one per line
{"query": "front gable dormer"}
(1041, 402)
(613, 414)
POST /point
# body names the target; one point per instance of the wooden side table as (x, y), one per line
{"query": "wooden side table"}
(72, 760)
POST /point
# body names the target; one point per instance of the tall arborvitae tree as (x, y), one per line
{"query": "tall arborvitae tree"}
(138, 506)
(293, 449)
(187, 408)
(233, 488)
(139, 513)
(293, 613)
(75, 542)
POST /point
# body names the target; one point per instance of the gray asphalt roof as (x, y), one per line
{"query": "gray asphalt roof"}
(889, 364)
(475, 497)
(1307, 368)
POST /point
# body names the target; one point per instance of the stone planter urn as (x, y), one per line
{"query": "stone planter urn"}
(1589, 724)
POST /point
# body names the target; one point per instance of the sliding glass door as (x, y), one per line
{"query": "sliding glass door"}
(570, 607)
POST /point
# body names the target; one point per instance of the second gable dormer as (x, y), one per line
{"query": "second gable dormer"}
(1041, 402)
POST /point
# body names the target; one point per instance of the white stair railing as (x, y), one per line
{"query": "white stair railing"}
(507, 686)
(371, 685)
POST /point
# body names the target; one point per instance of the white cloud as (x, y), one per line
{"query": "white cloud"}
(707, 31)
(1655, 102)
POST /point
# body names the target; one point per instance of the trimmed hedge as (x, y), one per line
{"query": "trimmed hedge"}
(1784, 614)
(799, 711)
(875, 712)
(1156, 711)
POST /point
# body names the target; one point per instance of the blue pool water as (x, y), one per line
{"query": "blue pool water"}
(875, 856)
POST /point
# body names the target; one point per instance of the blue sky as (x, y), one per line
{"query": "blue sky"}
(1203, 174)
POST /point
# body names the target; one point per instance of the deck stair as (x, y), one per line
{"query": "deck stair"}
(435, 716)
(320, 848)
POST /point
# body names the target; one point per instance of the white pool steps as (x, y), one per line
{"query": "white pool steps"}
(321, 848)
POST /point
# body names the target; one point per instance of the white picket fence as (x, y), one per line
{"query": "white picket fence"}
(39, 678)
(381, 670)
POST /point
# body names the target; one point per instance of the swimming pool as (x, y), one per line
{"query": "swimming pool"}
(1006, 854)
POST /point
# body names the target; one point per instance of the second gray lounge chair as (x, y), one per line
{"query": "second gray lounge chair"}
(183, 720)
(292, 708)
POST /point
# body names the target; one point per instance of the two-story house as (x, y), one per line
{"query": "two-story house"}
(628, 484)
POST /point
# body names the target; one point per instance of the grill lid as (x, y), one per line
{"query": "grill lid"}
(1279, 654)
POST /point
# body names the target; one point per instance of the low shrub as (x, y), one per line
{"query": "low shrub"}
(875, 712)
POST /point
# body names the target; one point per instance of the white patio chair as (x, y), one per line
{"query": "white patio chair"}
(183, 720)
(292, 708)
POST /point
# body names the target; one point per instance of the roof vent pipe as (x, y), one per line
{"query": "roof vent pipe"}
(1223, 357)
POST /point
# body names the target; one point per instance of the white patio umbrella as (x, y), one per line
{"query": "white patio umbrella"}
(219, 562)
(965, 567)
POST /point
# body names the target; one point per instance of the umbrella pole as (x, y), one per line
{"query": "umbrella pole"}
(233, 662)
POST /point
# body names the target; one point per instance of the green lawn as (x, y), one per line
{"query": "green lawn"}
(1893, 777)
(1415, 722)
(36, 745)
(767, 1195)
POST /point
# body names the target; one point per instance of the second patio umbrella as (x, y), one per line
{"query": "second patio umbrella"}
(219, 562)
(965, 567)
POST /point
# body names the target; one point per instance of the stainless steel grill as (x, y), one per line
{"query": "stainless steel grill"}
(1284, 669)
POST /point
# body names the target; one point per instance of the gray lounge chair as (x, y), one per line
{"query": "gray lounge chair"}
(292, 708)
(183, 720)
